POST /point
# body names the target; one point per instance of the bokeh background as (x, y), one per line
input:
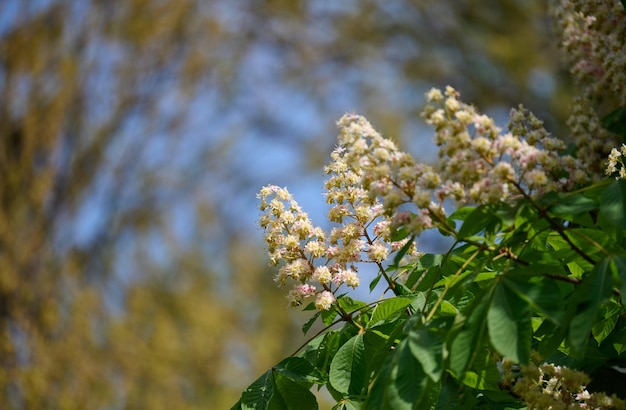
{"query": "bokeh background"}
(134, 136)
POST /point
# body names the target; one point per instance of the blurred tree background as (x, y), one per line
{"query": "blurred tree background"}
(134, 135)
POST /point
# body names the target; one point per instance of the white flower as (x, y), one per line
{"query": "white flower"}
(324, 300)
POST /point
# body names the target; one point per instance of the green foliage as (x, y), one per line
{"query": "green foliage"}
(545, 276)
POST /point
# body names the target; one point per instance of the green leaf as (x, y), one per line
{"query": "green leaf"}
(465, 343)
(510, 329)
(400, 384)
(612, 215)
(258, 394)
(291, 395)
(347, 405)
(603, 328)
(428, 350)
(615, 121)
(422, 274)
(595, 290)
(284, 386)
(620, 264)
(321, 350)
(299, 370)
(389, 308)
(328, 316)
(348, 368)
(309, 323)
(403, 251)
(482, 218)
(461, 214)
(348, 304)
(484, 374)
(570, 207)
(375, 281)
(542, 294)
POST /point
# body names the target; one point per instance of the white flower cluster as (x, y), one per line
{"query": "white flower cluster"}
(593, 39)
(318, 262)
(616, 157)
(372, 187)
(549, 386)
(297, 245)
(490, 165)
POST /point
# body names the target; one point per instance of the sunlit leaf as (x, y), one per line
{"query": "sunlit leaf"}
(389, 308)
(348, 367)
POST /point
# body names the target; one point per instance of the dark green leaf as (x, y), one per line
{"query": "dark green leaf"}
(465, 343)
(350, 305)
(612, 210)
(400, 384)
(484, 373)
(482, 218)
(620, 264)
(258, 394)
(291, 395)
(615, 121)
(510, 329)
(596, 289)
(428, 350)
(570, 206)
(461, 214)
(328, 316)
(299, 370)
(542, 294)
